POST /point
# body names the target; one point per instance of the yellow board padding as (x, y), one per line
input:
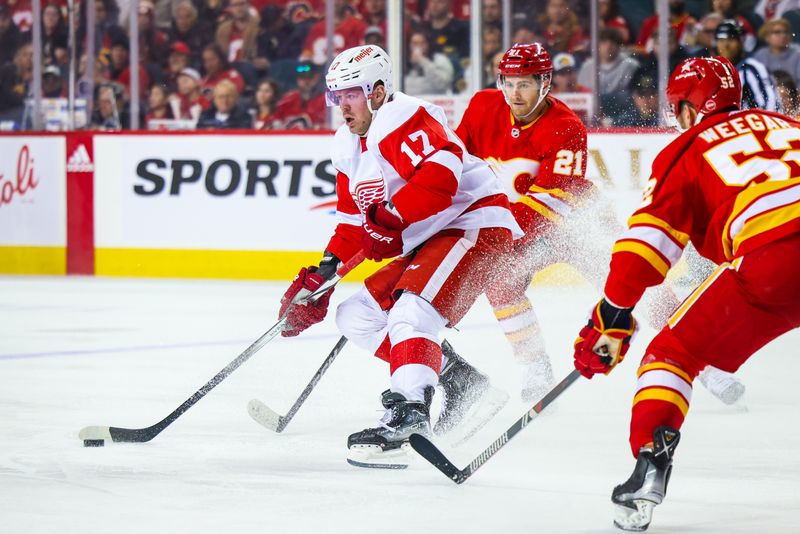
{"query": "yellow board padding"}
(33, 260)
(230, 264)
(254, 265)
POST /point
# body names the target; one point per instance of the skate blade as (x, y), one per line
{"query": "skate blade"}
(634, 518)
(478, 416)
(373, 457)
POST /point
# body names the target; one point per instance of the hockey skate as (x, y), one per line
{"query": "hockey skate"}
(386, 446)
(723, 385)
(635, 499)
(467, 397)
(537, 379)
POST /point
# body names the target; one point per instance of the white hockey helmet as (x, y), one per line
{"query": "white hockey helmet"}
(360, 66)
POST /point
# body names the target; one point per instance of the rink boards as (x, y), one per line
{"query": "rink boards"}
(197, 205)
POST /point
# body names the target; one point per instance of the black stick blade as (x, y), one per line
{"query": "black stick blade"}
(428, 450)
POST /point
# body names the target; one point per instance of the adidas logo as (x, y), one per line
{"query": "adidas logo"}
(80, 161)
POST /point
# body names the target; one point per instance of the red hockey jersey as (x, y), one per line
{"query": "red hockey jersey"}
(413, 159)
(541, 164)
(729, 184)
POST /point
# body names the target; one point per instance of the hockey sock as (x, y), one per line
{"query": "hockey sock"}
(520, 325)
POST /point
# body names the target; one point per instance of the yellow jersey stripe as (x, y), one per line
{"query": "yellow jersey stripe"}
(540, 208)
(647, 219)
(646, 252)
(664, 367)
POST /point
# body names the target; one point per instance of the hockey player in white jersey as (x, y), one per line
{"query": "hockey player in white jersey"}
(406, 189)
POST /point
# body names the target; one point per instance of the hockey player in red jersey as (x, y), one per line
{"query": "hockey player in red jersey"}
(537, 147)
(406, 189)
(730, 184)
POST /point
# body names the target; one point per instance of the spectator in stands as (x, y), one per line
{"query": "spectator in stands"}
(788, 94)
(428, 72)
(110, 111)
(609, 15)
(616, 68)
(729, 9)
(10, 37)
(374, 13)
(680, 20)
(348, 32)
(704, 42)
(492, 44)
(495, 65)
(189, 102)
(106, 30)
(565, 75)
(22, 15)
(773, 9)
(492, 14)
(225, 113)
(526, 32)
(178, 59)
(209, 13)
(217, 68)
(265, 103)
(54, 36)
(53, 83)
(304, 108)
(119, 66)
(375, 36)
(565, 80)
(187, 29)
(15, 80)
(236, 35)
(562, 30)
(780, 53)
(85, 88)
(450, 34)
(758, 90)
(153, 40)
(649, 61)
(158, 107)
(644, 113)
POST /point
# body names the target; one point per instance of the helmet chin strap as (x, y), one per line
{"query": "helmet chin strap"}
(542, 95)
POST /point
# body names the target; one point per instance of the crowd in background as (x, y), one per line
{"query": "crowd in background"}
(260, 63)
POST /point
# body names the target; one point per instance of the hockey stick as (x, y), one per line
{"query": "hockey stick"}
(266, 416)
(430, 452)
(96, 435)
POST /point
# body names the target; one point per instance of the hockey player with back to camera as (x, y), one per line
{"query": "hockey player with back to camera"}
(730, 184)
(406, 189)
(537, 147)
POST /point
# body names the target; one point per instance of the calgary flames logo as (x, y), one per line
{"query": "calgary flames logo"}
(516, 174)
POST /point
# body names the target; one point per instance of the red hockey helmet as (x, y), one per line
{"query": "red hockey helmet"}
(708, 83)
(524, 59)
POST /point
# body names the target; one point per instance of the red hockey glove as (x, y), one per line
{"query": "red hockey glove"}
(384, 230)
(603, 342)
(304, 314)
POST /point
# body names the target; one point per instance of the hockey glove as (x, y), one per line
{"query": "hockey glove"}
(383, 232)
(304, 314)
(603, 342)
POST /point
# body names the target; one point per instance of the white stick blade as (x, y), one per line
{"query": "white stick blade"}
(263, 414)
(95, 433)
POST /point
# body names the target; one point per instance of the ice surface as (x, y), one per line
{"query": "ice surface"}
(90, 351)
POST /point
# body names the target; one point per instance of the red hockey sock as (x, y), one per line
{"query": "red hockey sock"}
(416, 350)
(385, 350)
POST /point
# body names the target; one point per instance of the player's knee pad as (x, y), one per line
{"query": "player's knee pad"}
(361, 320)
(412, 316)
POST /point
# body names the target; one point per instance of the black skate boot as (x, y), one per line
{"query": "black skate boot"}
(386, 446)
(465, 390)
(635, 499)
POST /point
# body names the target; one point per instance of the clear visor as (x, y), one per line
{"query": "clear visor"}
(351, 94)
(671, 118)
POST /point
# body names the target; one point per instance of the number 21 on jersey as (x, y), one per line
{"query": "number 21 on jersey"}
(569, 163)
